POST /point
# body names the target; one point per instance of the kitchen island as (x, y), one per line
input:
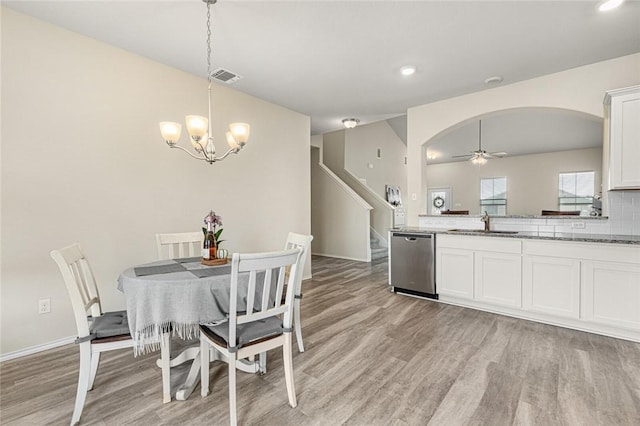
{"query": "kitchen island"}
(588, 282)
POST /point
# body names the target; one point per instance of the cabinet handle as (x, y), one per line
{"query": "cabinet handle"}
(409, 238)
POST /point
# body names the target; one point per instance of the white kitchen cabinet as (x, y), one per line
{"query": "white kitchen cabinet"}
(454, 272)
(587, 286)
(622, 126)
(611, 294)
(551, 285)
(498, 278)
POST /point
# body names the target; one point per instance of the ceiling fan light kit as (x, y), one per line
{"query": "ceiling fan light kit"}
(480, 156)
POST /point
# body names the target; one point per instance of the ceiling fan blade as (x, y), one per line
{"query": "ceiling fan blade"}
(461, 156)
(498, 154)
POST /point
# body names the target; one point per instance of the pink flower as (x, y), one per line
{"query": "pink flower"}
(213, 218)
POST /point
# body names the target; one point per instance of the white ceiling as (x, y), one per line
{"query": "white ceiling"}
(337, 59)
(519, 132)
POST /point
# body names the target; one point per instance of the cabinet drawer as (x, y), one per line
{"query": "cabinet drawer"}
(471, 242)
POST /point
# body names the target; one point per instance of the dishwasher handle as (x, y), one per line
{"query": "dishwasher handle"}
(411, 237)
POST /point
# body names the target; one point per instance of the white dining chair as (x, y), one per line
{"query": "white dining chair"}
(97, 331)
(174, 246)
(249, 330)
(302, 242)
(183, 244)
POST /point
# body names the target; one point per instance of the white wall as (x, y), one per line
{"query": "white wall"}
(361, 147)
(580, 89)
(83, 161)
(532, 180)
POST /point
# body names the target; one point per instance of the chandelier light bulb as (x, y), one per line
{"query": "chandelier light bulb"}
(170, 131)
(240, 132)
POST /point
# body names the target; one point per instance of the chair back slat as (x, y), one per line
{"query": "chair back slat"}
(262, 263)
(266, 290)
(251, 292)
(177, 245)
(81, 285)
(302, 242)
(281, 280)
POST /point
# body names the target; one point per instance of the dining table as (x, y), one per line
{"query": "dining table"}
(172, 298)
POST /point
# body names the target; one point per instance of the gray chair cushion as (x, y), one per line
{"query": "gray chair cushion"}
(245, 333)
(109, 324)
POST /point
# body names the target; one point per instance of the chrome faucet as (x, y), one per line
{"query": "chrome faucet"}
(487, 221)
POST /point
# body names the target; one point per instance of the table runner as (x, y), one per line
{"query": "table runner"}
(179, 302)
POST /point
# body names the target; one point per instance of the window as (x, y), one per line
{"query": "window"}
(576, 191)
(493, 196)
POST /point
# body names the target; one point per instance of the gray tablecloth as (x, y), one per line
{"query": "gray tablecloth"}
(178, 301)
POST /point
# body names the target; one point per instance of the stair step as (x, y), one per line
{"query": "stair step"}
(378, 253)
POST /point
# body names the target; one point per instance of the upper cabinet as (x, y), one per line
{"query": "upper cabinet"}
(622, 129)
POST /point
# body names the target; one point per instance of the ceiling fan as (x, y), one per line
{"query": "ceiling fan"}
(480, 156)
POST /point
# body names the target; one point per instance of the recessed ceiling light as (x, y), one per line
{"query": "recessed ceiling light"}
(493, 79)
(607, 5)
(408, 70)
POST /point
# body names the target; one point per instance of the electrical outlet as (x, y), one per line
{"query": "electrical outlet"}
(577, 225)
(44, 306)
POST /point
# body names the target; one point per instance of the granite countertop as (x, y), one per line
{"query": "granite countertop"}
(454, 216)
(558, 236)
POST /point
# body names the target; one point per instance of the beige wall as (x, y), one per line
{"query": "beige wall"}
(532, 180)
(361, 145)
(339, 217)
(83, 161)
(333, 151)
(580, 89)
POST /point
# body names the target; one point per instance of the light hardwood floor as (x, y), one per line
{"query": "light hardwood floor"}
(372, 358)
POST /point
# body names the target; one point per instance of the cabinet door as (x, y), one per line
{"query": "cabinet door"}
(498, 278)
(624, 142)
(551, 285)
(454, 272)
(611, 294)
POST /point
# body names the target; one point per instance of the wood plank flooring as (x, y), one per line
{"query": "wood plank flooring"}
(372, 358)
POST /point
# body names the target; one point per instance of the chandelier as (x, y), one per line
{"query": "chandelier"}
(199, 128)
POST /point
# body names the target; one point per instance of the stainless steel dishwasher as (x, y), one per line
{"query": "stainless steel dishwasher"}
(412, 263)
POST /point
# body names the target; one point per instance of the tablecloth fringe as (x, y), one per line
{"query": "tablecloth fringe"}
(147, 340)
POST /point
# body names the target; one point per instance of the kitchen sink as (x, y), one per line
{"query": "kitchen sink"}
(481, 231)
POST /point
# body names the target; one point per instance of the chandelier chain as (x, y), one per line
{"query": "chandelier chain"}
(209, 41)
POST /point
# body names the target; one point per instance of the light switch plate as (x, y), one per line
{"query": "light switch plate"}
(577, 225)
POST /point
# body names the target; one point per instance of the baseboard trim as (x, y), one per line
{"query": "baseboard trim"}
(38, 348)
(340, 257)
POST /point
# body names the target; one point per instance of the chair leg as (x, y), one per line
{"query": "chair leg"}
(83, 381)
(165, 361)
(297, 324)
(204, 367)
(233, 420)
(263, 363)
(95, 360)
(287, 355)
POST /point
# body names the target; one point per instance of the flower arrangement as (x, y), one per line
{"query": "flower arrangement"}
(213, 220)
